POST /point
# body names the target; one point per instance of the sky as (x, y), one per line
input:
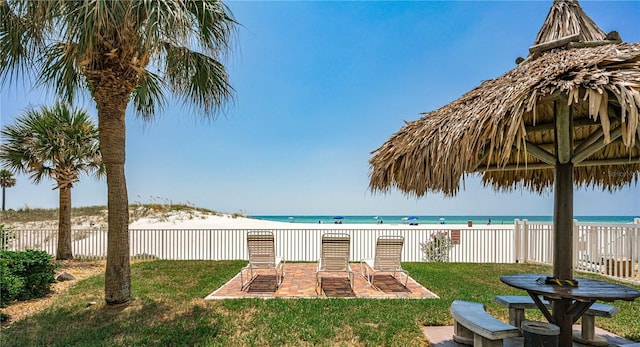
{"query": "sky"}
(319, 85)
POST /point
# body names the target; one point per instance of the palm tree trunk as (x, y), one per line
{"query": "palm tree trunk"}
(3, 195)
(111, 119)
(64, 251)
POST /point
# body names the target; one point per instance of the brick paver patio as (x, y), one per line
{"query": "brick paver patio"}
(300, 282)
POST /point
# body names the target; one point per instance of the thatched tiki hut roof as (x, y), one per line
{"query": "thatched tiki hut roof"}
(505, 128)
(567, 114)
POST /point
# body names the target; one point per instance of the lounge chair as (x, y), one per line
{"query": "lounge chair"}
(334, 257)
(387, 259)
(261, 247)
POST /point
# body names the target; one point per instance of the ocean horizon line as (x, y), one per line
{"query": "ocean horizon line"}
(434, 219)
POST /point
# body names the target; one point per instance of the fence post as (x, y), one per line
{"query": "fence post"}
(525, 243)
(576, 252)
(517, 239)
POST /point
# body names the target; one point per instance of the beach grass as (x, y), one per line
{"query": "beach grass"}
(168, 309)
(138, 210)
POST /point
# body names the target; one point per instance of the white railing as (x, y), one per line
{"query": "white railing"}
(473, 245)
(609, 249)
(605, 248)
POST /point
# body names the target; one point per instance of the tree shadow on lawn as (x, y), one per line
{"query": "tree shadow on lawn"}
(141, 323)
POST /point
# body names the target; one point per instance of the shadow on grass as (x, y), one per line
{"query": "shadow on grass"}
(140, 324)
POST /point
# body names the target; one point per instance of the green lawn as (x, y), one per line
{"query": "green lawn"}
(169, 310)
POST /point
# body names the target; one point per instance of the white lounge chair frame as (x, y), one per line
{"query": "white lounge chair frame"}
(334, 257)
(386, 259)
(261, 249)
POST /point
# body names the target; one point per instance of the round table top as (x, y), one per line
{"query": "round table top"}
(587, 289)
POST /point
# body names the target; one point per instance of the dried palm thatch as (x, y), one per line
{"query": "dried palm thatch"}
(567, 18)
(506, 127)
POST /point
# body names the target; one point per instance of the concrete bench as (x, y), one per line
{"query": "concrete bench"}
(517, 305)
(475, 326)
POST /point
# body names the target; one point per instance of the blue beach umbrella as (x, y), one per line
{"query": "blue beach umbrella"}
(338, 217)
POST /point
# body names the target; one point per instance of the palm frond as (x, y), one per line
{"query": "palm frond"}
(148, 95)
(59, 69)
(216, 24)
(198, 79)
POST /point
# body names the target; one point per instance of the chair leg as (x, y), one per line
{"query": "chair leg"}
(318, 283)
(280, 277)
(244, 284)
(406, 279)
(277, 278)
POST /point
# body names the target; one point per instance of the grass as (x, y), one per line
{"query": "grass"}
(168, 310)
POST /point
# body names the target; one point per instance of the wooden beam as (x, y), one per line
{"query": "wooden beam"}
(540, 153)
(606, 162)
(563, 131)
(592, 43)
(549, 98)
(563, 41)
(543, 166)
(595, 136)
(596, 146)
(550, 126)
(484, 157)
(514, 167)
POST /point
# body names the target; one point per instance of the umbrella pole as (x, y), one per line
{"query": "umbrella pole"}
(563, 249)
(563, 191)
(563, 222)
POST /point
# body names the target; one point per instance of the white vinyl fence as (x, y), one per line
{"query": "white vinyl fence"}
(472, 245)
(609, 249)
(604, 248)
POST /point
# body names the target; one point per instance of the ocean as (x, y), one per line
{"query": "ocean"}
(438, 219)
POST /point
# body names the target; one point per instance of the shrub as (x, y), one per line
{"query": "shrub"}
(437, 248)
(25, 275)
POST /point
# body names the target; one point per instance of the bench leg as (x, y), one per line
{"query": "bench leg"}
(462, 335)
(588, 334)
(479, 341)
(516, 316)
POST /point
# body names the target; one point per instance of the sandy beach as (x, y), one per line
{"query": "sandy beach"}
(198, 220)
(194, 219)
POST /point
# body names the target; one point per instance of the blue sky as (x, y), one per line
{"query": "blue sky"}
(319, 86)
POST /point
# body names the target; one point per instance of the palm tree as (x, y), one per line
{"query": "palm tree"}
(56, 142)
(123, 51)
(6, 181)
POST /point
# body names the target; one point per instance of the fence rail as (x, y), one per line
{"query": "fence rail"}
(609, 249)
(472, 245)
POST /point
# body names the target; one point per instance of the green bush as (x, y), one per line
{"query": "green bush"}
(25, 275)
